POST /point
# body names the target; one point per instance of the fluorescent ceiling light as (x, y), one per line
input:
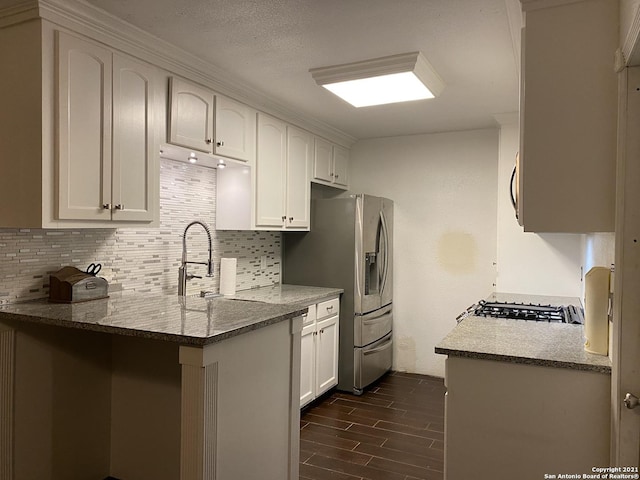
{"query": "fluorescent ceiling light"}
(398, 78)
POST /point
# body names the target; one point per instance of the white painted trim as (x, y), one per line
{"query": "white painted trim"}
(7, 365)
(18, 13)
(199, 413)
(516, 22)
(294, 400)
(89, 20)
(625, 439)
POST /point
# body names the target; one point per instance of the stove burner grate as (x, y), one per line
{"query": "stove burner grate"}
(531, 312)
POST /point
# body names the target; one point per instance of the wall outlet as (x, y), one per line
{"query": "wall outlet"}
(263, 262)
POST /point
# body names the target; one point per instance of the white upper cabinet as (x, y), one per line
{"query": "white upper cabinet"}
(298, 191)
(235, 127)
(134, 150)
(79, 123)
(191, 116)
(276, 193)
(207, 122)
(271, 172)
(323, 161)
(84, 129)
(568, 117)
(341, 166)
(106, 168)
(330, 164)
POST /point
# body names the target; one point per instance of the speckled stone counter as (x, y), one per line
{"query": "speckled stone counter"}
(185, 320)
(526, 342)
(288, 294)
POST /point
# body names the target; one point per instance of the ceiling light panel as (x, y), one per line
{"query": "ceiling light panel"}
(397, 78)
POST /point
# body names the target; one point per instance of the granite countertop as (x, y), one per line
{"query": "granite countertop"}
(185, 320)
(287, 294)
(517, 341)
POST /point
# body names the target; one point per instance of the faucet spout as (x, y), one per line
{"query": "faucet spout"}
(183, 276)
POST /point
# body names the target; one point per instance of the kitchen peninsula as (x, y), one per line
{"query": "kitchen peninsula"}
(152, 386)
(523, 398)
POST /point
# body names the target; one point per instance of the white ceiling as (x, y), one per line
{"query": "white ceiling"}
(270, 45)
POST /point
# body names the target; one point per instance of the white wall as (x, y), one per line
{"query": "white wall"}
(444, 188)
(537, 264)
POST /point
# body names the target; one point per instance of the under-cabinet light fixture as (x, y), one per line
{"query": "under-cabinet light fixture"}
(397, 78)
(221, 163)
(192, 158)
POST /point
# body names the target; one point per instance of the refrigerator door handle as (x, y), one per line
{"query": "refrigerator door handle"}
(385, 254)
(380, 348)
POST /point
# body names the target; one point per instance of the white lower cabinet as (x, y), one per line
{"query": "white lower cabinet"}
(319, 350)
(508, 420)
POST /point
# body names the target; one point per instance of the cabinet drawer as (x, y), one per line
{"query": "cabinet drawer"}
(372, 361)
(328, 308)
(309, 317)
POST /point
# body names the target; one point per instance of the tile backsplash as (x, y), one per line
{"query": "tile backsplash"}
(142, 259)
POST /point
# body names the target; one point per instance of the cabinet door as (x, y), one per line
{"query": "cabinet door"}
(235, 130)
(326, 354)
(134, 148)
(298, 195)
(340, 166)
(191, 123)
(270, 172)
(323, 161)
(567, 132)
(84, 129)
(308, 364)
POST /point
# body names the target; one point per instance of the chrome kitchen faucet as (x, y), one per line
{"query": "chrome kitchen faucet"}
(183, 276)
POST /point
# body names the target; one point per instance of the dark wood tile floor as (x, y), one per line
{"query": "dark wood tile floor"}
(394, 431)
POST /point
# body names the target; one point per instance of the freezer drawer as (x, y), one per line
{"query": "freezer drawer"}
(372, 326)
(372, 362)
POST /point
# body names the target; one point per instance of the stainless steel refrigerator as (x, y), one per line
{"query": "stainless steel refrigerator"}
(350, 246)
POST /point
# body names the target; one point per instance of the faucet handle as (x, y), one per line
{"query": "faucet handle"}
(189, 276)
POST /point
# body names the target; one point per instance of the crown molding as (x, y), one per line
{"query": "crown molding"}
(631, 46)
(528, 5)
(86, 19)
(18, 13)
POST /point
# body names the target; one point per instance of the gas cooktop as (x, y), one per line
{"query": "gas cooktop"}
(523, 311)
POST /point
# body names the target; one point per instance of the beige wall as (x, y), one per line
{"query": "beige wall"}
(444, 188)
(537, 264)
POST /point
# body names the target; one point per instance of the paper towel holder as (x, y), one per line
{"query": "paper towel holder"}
(228, 272)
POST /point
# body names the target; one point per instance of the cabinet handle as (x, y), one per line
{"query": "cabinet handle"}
(120, 206)
(106, 206)
(337, 175)
(322, 331)
(329, 308)
(208, 141)
(284, 218)
(291, 219)
(332, 174)
(220, 144)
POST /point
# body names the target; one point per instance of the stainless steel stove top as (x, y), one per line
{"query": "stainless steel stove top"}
(523, 311)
